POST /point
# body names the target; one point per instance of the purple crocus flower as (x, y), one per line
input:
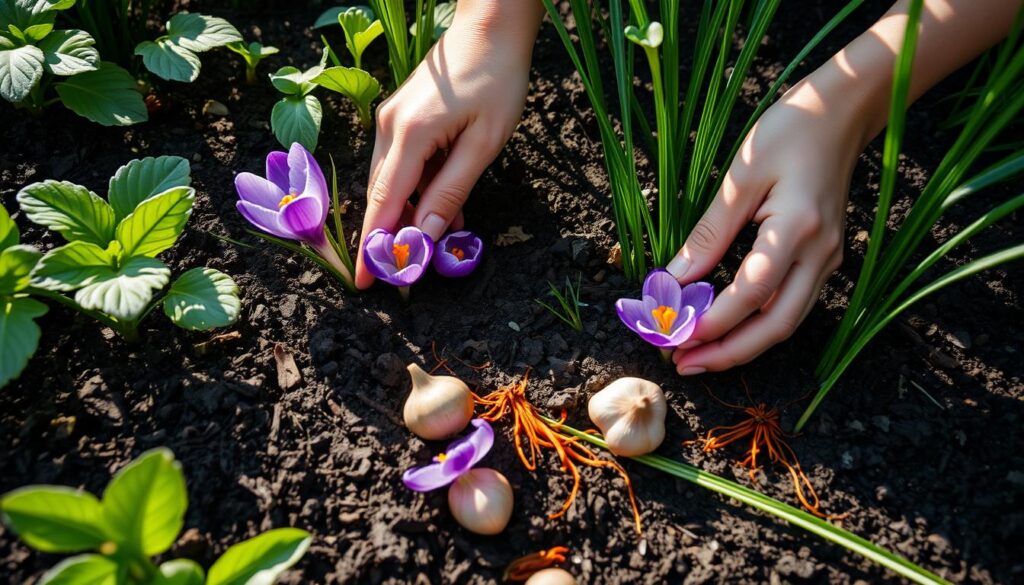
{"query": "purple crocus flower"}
(292, 202)
(399, 259)
(457, 254)
(460, 457)
(667, 314)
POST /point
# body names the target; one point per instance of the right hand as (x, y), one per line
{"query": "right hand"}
(449, 120)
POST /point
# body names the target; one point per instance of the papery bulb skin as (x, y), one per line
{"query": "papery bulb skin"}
(630, 412)
(481, 501)
(551, 576)
(438, 406)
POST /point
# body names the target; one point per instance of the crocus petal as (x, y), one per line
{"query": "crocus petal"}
(428, 478)
(699, 296)
(303, 217)
(298, 168)
(631, 311)
(460, 457)
(277, 170)
(380, 261)
(316, 183)
(421, 247)
(681, 331)
(264, 219)
(447, 264)
(664, 288)
(258, 191)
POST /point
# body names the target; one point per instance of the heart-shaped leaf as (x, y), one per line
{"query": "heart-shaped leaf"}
(650, 36)
(54, 519)
(73, 266)
(141, 179)
(156, 223)
(72, 210)
(85, 570)
(16, 264)
(294, 82)
(169, 60)
(125, 294)
(21, 68)
(179, 572)
(106, 96)
(70, 52)
(356, 84)
(297, 119)
(201, 299)
(260, 560)
(144, 505)
(8, 230)
(198, 32)
(19, 335)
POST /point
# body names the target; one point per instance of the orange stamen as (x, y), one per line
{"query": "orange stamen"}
(401, 253)
(441, 457)
(524, 567)
(286, 200)
(527, 422)
(458, 253)
(664, 317)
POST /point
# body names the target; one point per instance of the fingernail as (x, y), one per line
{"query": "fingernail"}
(677, 267)
(691, 344)
(692, 371)
(434, 226)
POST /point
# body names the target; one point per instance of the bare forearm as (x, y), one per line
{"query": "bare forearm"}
(509, 24)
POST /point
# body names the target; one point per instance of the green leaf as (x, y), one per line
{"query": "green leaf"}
(125, 294)
(16, 264)
(156, 223)
(358, 85)
(650, 36)
(84, 570)
(26, 14)
(260, 560)
(361, 40)
(198, 32)
(73, 266)
(72, 210)
(19, 335)
(297, 119)
(69, 52)
(292, 81)
(329, 17)
(355, 19)
(444, 14)
(38, 32)
(202, 299)
(54, 519)
(169, 60)
(144, 505)
(141, 179)
(21, 68)
(8, 230)
(106, 96)
(180, 572)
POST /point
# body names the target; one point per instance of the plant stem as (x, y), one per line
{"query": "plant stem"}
(404, 291)
(666, 355)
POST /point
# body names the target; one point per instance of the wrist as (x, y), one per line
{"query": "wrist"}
(505, 25)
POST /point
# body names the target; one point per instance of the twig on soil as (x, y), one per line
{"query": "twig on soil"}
(541, 434)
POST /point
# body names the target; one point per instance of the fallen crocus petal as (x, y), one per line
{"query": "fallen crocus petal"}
(399, 259)
(457, 254)
(667, 313)
(460, 457)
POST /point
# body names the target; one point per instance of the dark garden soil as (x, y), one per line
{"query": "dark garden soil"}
(920, 443)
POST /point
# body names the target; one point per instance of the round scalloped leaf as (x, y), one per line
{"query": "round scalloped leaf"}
(169, 60)
(260, 560)
(19, 335)
(21, 68)
(144, 505)
(74, 211)
(83, 570)
(156, 223)
(141, 179)
(54, 519)
(126, 293)
(198, 32)
(106, 96)
(297, 119)
(70, 52)
(201, 299)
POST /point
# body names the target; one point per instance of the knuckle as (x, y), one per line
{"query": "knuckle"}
(385, 114)
(782, 329)
(451, 196)
(757, 293)
(377, 196)
(809, 223)
(703, 236)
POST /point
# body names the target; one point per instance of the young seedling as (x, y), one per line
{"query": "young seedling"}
(174, 56)
(253, 53)
(355, 84)
(297, 116)
(110, 262)
(569, 305)
(19, 334)
(140, 515)
(33, 54)
(359, 25)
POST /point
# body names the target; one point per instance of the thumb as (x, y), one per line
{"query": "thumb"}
(731, 209)
(441, 202)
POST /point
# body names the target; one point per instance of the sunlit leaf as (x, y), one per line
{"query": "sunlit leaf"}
(156, 223)
(297, 119)
(72, 210)
(16, 264)
(144, 504)
(106, 96)
(19, 335)
(54, 519)
(70, 52)
(141, 179)
(125, 294)
(260, 560)
(201, 299)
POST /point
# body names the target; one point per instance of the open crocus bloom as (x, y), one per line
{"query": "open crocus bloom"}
(460, 457)
(399, 259)
(457, 254)
(667, 313)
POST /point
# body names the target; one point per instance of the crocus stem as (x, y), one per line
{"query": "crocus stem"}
(328, 253)
(666, 355)
(404, 291)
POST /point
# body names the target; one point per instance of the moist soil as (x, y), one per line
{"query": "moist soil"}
(919, 444)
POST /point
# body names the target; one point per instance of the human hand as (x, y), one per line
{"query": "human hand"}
(438, 132)
(791, 177)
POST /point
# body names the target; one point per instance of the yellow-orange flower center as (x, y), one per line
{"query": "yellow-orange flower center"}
(286, 200)
(441, 457)
(401, 253)
(458, 253)
(664, 317)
